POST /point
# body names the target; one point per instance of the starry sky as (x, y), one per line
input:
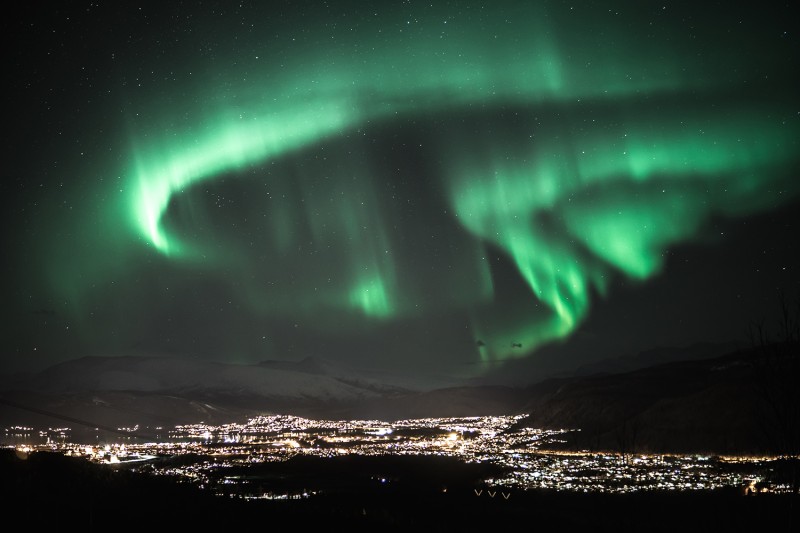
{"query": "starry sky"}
(491, 190)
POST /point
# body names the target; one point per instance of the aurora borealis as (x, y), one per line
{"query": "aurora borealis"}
(442, 188)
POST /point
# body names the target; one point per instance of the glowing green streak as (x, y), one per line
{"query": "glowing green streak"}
(232, 146)
(680, 176)
(553, 269)
(585, 199)
(416, 73)
(624, 195)
(371, 297)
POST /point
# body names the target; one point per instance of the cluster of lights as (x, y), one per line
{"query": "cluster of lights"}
(529, 455)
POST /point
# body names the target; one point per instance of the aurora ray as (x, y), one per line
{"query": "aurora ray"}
(593, 184)
(621, 195)
(497, 169)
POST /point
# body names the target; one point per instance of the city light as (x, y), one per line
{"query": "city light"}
(531, 458)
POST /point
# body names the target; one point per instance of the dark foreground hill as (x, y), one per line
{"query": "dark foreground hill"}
(45, 490)
(743, 402)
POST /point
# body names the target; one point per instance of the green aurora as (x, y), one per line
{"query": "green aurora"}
(374, 171)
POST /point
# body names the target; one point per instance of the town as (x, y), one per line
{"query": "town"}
(529, 458)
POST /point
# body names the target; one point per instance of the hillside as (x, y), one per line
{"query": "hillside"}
(715, 405)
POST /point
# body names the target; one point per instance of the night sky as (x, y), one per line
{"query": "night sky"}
(494, 189)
